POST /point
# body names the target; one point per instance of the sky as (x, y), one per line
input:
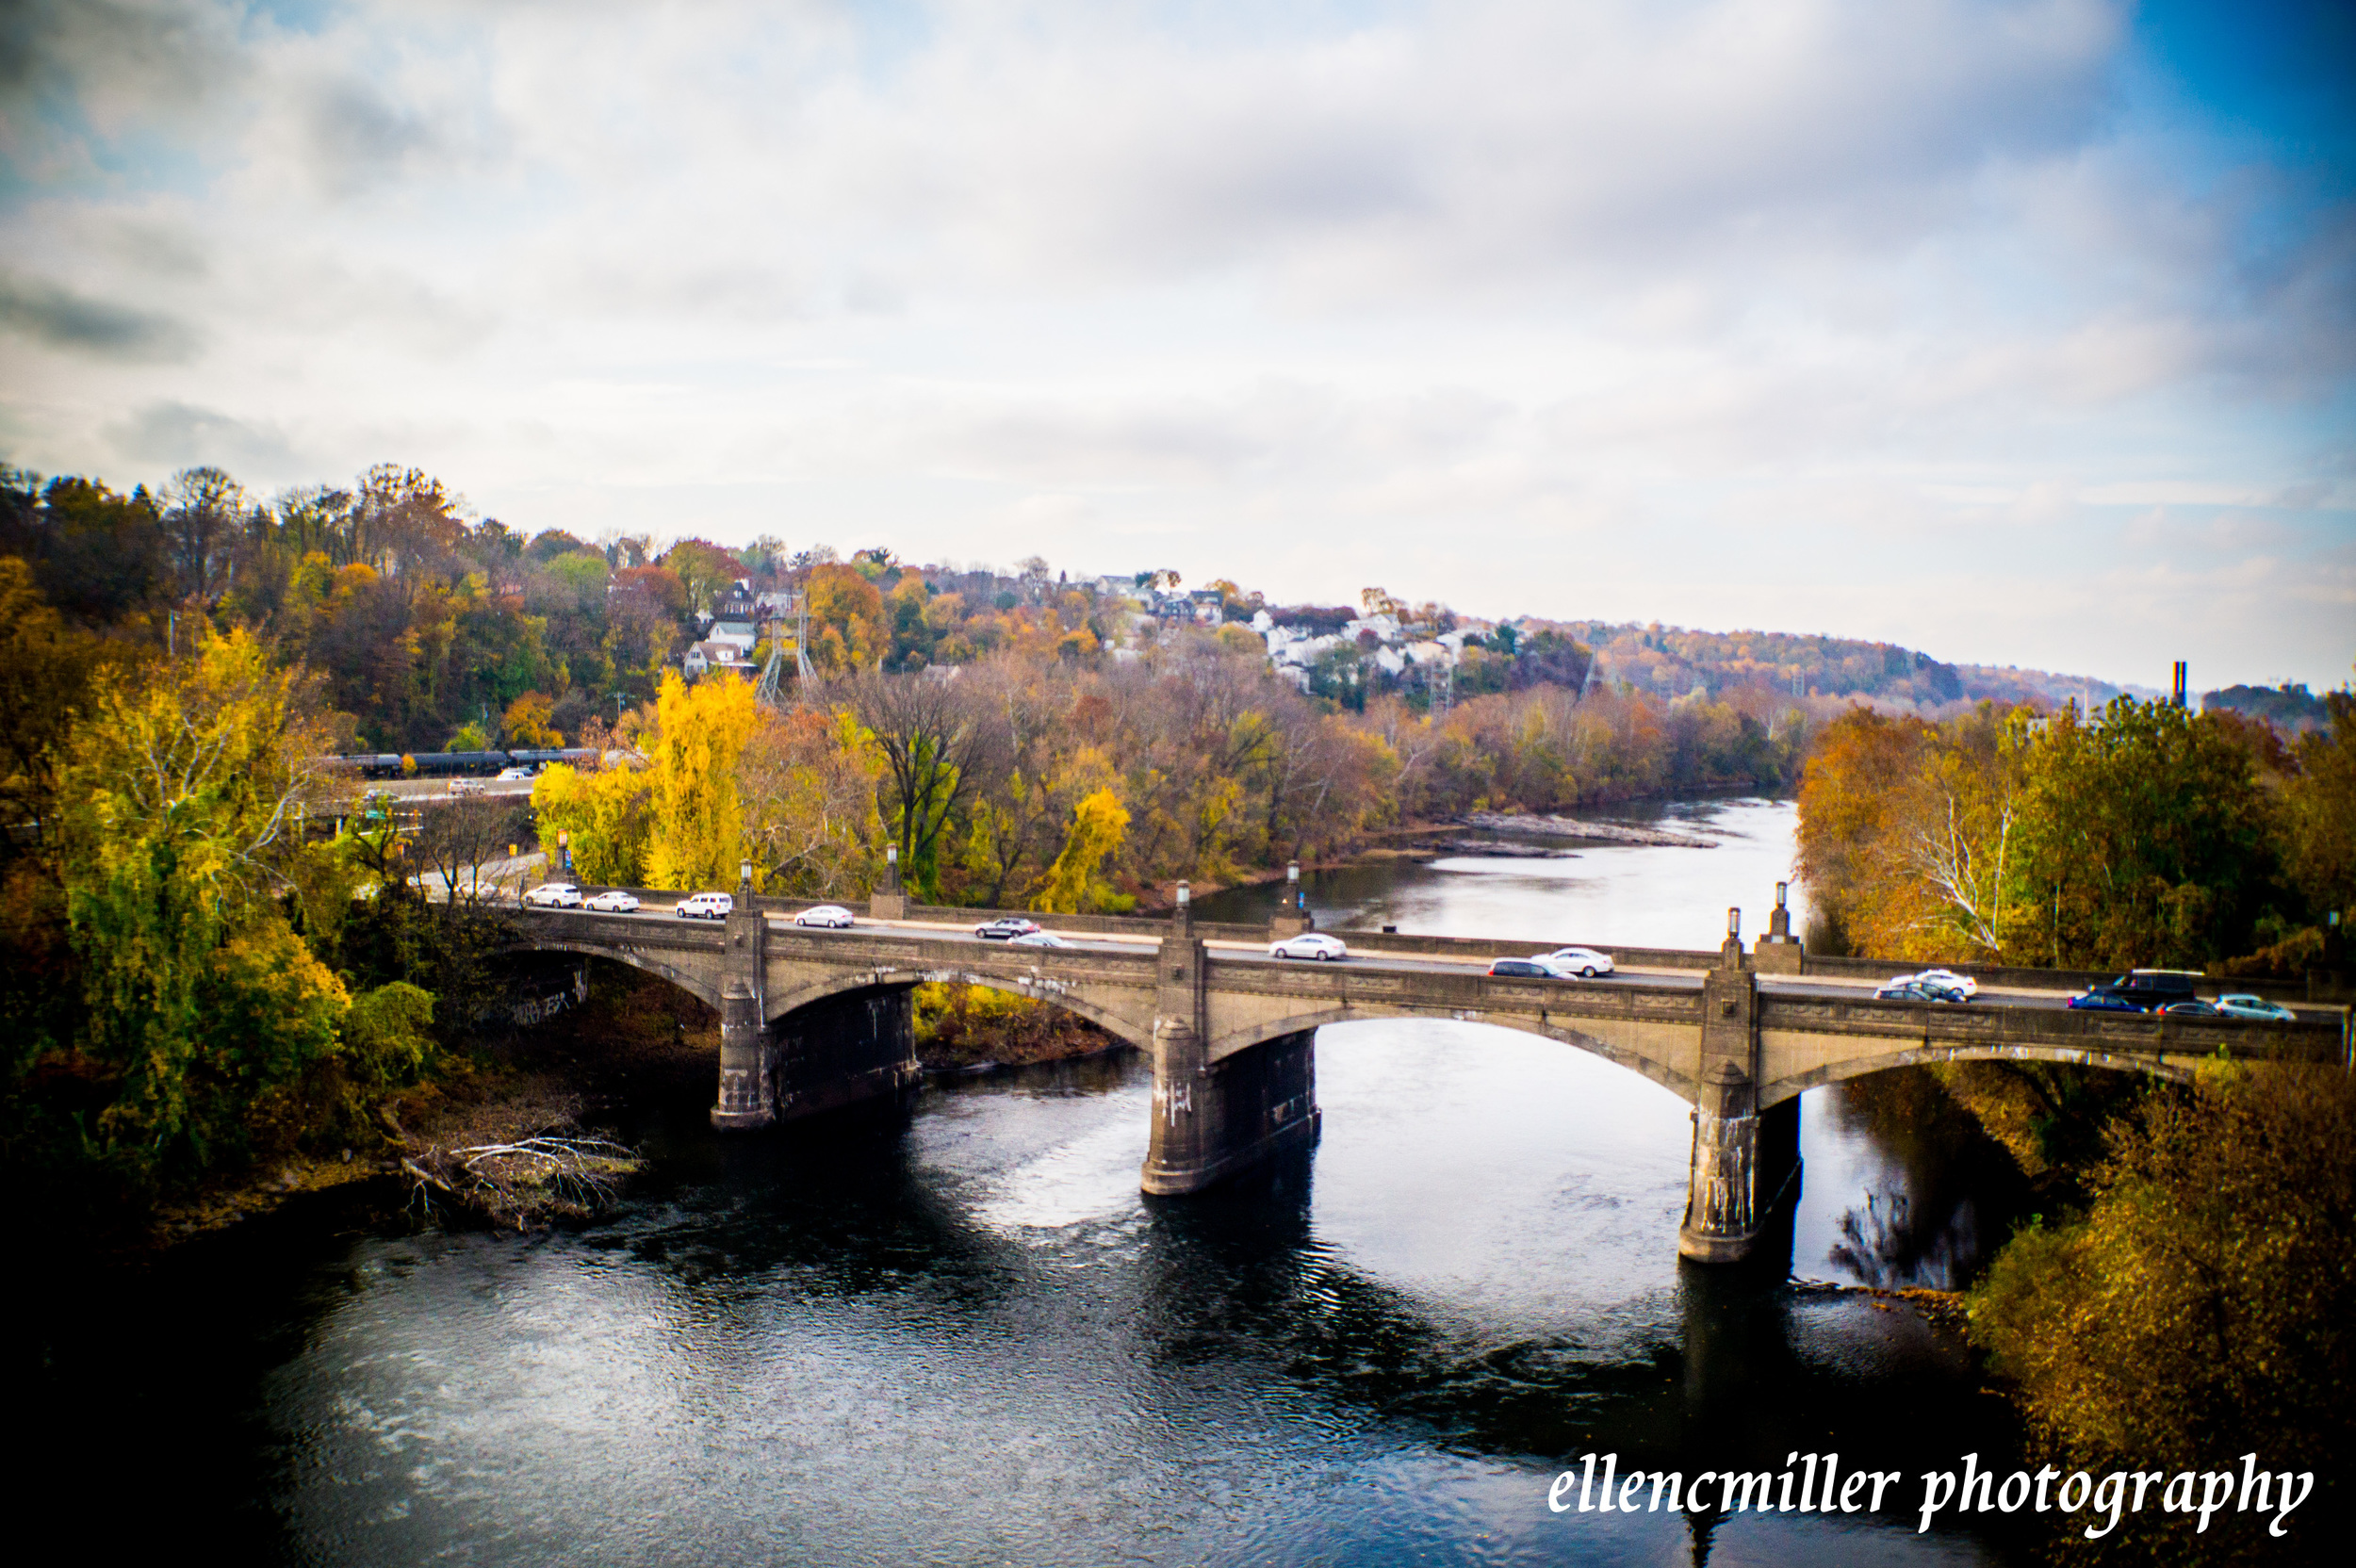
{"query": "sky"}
(2016, 331)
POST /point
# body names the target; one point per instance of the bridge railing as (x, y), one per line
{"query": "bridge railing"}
(1414, 945)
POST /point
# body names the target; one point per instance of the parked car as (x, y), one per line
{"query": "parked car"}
(614, 903)
(1309, 944)
(1911, 988)
(1585, 962)
(1537, 967)
(1037, 938)
(2102, 1002)
(2148, 989)
(1004, 928)
(2243, 1004)
(706, 906)
(553, 895)
(833, 917)
(2195, 1008)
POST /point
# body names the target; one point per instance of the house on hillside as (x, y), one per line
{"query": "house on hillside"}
(715, 654)
(736, 622)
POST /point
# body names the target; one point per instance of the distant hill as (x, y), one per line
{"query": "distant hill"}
(1672, 661)
(2286, 707)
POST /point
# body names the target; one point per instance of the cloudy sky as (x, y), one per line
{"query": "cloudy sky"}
(2020, 331)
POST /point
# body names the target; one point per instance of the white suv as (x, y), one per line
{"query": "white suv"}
(707, 906)
(553, 895)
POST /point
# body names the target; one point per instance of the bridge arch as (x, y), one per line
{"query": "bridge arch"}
(697, 985)
(1834, 1072)
(1235, 1042)
(898, 978)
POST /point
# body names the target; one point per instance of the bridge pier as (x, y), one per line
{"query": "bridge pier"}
(1743, 1159)
(1211, 1123)
(748, 1093)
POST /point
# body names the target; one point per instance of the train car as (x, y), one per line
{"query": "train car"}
(442, 765)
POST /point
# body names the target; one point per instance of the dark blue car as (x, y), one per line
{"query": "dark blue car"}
(2102, 1002)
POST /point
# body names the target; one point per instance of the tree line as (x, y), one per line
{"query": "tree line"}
(215, 958)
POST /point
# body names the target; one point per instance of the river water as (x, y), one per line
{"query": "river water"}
(968, 1339)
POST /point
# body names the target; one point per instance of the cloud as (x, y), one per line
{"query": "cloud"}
(58, 316)
(1713, 310)
(177, 436)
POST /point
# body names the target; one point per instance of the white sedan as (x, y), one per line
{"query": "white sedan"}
(1309, 944)
(1037, 938)
(2244, 1004)
(833, 917)
(1584, 962)
(553, 895)
(614, 903)
(1946, 977)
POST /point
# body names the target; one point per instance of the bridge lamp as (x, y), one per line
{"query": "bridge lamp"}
(1734, 922)
(892, 855)
(1292, 872)
(745, 873)
(1185, 895)
(1780, 889)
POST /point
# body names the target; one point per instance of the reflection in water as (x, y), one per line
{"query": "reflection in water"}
(968, 1339)
(1924, 1179)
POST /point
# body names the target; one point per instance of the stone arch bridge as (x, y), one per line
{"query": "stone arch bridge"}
(815, 1020)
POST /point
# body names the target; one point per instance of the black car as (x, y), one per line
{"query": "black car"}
(2151, 989)
(1005, 928)
(2102, 1002)
(1919, 990)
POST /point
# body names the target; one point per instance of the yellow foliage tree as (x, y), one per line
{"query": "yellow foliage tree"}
(608, 818)
(1098, 823)
(528, 724)
(699, 827)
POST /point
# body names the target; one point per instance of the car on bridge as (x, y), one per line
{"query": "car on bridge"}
(1039, 938)
(1309, 944)
(1585, 962)
(2245, 1004)
(829, 917)
(1538, 966)
(553, 895)
(614, 902)
(1915, 989)
(1947, 977)
(706, 906)
(2102, 1002)
(2152, 988)
(1004, 928)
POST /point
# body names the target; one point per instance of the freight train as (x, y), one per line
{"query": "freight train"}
(461, 764)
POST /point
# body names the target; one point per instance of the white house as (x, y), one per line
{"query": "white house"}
(714, 653)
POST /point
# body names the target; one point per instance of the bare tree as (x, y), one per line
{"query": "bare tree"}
(456, 838)
(200, 526)
(937, 742)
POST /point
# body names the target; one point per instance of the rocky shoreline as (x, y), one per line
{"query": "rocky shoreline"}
(1595, 832)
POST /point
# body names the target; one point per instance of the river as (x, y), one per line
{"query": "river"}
(968, 1339)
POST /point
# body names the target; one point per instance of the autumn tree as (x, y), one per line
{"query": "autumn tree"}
(2201, 1306)
(1074, 883)
(934, 739)
(183, 797)
(698, 827)
(808, 781)
(606, 817)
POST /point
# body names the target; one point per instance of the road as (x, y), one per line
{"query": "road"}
(1815, 986)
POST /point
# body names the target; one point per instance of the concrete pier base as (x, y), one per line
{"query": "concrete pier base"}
(1211, 1123)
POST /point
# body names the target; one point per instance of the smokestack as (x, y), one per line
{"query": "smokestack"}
(2180, 683)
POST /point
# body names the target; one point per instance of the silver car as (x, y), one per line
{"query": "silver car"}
(1309, 944)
